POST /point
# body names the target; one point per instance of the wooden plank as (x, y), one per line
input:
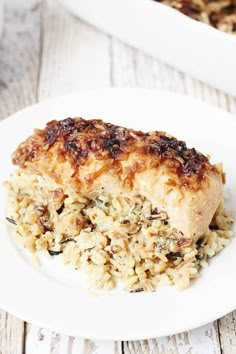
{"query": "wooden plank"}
(19, 49)
(227, 330)
(101, 347)
(74, 55)
(202, 340)
(131, 68)
(11, 334)
(19, 55)
(42, 341)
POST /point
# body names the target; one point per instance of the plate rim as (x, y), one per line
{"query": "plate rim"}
(117, 90)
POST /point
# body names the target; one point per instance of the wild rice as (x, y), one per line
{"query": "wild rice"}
(111, 238)
(220, 14)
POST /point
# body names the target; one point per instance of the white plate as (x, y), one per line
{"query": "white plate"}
(54, 296)
(193, 47)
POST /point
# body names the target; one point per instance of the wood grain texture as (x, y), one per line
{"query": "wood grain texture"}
(202, 340)
(74, 55)
(227, 331)
(43, 341)
(19, 58)
(12, 334)
(19, 55)
(71, 55)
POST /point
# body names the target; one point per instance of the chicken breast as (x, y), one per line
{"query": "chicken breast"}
(86, 157)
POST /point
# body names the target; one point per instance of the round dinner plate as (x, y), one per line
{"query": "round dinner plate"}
(55, 296)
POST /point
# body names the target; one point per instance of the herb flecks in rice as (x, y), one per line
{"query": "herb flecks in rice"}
(112, 236)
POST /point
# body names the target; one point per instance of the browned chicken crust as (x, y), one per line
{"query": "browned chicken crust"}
(88, 156)
(78, 140)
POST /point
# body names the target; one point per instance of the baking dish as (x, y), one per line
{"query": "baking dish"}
(164, 33)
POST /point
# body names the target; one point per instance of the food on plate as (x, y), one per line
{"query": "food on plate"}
(220, 14)
(118, 203)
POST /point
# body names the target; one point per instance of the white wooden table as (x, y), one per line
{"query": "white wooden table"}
(44, 51)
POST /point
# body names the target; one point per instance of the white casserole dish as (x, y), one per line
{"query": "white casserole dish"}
(193, 47)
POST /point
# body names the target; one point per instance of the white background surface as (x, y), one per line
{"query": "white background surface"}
(46, 52)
